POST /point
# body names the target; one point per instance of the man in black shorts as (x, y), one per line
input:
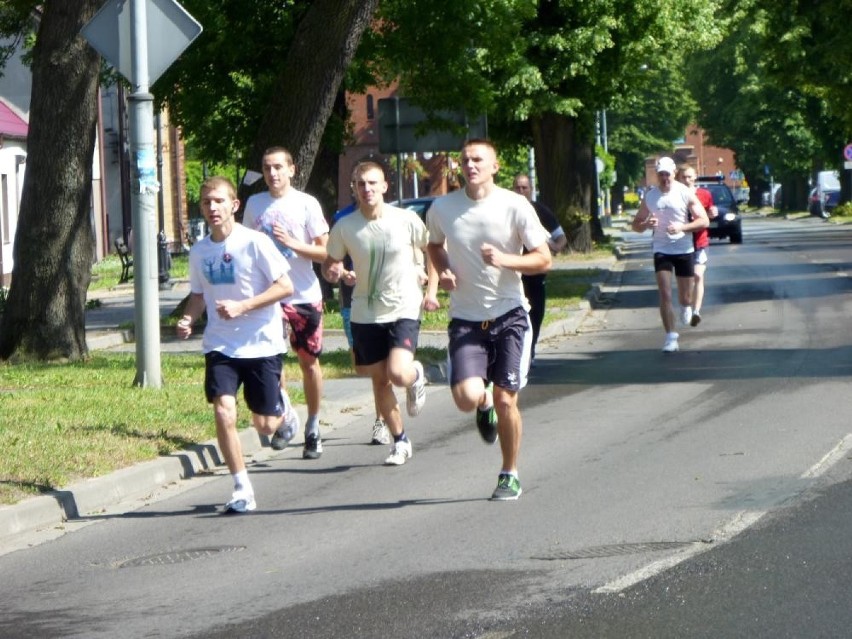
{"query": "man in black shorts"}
(673, 212)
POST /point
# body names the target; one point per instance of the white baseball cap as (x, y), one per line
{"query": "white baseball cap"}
(666, 165)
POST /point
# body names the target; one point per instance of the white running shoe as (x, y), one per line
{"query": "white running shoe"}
(399, 453)
(671, 343)
(242, 501)
(415, 395)
(287, 431)
(381, 434)
(686, 315)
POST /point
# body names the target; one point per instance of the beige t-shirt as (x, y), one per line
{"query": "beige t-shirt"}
(384, 256)
(504, 219)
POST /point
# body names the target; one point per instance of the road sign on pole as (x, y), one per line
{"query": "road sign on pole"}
(847, 152)
(173, 29)
(120, 32)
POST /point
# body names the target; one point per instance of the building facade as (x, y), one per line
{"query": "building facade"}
(707, 159)
(111, 171)
(421, 175)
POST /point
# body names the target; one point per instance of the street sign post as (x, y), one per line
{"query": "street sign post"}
(120, 32)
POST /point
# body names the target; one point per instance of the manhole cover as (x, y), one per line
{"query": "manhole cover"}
(616, 550)
(179, 556)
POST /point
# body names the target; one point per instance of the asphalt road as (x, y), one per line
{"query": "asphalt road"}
(702, 493)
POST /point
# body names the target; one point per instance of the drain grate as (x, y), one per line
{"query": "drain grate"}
(616, 550)
(179, 556)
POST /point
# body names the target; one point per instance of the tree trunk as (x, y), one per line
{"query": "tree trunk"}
(55, 242)
(323, 47)
(565, 165)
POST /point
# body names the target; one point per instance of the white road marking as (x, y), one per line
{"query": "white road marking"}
(740, 522)
(831, 457)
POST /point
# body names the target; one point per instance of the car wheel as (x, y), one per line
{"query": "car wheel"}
(736, 236)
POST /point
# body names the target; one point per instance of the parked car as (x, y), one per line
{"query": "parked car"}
(821, 202)
(417, 204)
(728, 224)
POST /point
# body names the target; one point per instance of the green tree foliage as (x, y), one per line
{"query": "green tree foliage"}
(540, 70)
(755, 100)
(807, 44)
(264, 74)
(16, 22)
(218, 89)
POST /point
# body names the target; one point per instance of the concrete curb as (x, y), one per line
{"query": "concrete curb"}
(132, 486)
(92, 496)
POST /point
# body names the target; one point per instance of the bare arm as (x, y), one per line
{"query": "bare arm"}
(192, 311)
(538, 260)
(430, 299)
(314, 251)
(699, 216)
(278, 290)
(333, 271)
(440, 261)
(643, 220)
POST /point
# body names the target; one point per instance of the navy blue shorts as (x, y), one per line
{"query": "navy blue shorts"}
(496, 350)
(373, 342)
(260, 378)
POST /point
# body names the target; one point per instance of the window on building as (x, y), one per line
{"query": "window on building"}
(371, 108)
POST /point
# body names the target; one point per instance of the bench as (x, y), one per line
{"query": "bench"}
(126, 260)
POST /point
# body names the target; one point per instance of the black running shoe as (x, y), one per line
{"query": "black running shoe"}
(313, 447)
(486, 422)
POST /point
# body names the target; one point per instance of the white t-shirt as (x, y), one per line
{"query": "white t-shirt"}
(669, 207)
(505, 220)
(384, 255)
(301, 216)
(245, 264)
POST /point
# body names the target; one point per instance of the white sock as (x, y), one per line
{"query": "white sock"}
(489, 401)
(241, 481)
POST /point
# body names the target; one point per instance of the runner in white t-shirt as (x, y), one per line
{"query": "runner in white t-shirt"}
(384, 242)
(295, 222)
(238, 277)
(476, 241)
(672, 212)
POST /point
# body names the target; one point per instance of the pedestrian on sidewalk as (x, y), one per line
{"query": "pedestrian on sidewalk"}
(534, 285)
(295, 221)
(700, 239)
(476, 240)
(238, 276)
(383, 242)
(672, 212)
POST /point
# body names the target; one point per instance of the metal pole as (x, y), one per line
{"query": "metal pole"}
(163, 257)
(399, 159)
(606, 187)
(415, 179)
(598, 198)
(143, 206)
(531, 172)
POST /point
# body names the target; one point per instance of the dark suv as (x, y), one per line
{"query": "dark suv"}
(728, 223)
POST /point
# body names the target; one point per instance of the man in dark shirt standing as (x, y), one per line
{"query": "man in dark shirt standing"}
(534, 287)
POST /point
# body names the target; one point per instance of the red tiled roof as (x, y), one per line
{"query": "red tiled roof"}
(11, 124)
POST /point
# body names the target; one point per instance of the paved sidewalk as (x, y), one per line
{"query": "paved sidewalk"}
(344, 401)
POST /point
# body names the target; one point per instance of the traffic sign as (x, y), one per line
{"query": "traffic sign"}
(401, 128)
(847, 152)
(170, 30)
